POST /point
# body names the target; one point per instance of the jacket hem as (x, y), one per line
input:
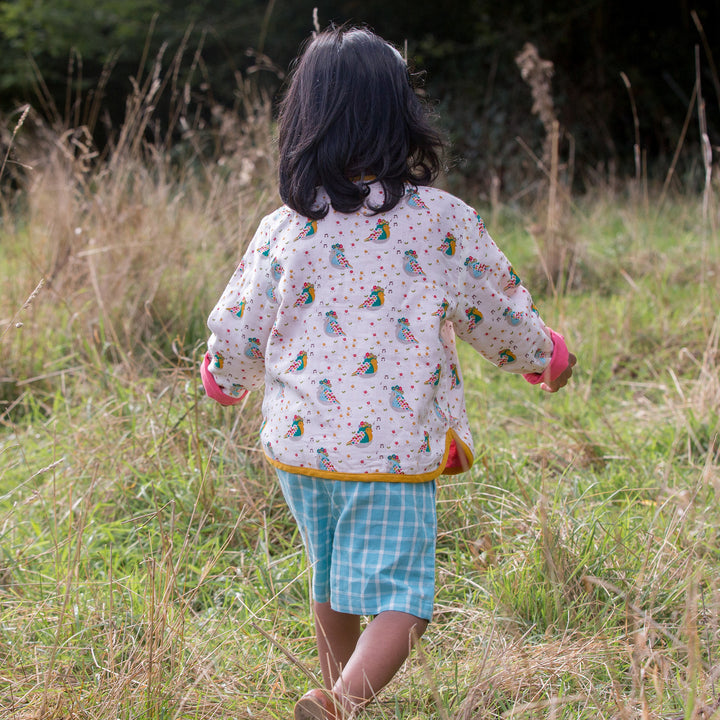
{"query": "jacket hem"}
(464, 455)
(458, 456)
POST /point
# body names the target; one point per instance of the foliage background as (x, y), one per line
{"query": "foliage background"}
(467, 48)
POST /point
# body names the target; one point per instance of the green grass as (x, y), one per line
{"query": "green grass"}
(150, 570)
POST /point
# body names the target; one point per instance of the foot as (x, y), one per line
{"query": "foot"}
(316, 705)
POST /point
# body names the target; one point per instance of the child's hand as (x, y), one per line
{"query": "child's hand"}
(562, 379)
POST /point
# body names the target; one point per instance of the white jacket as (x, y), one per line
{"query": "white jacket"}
(350, 323)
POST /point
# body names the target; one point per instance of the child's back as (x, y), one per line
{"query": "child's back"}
(345, 307)
(350, 321)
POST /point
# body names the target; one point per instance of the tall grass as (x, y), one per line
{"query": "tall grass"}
(132, 246)
(148, 566)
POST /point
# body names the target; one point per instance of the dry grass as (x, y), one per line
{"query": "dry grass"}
(148, 566)
(92, 227)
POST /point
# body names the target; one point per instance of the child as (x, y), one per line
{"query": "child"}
(346, 306)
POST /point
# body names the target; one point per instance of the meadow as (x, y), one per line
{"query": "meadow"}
(149, 568)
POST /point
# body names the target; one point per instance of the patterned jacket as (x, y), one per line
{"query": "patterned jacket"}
(350, 323)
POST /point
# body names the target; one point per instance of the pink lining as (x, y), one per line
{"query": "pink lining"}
(212, 389)
(558, 362)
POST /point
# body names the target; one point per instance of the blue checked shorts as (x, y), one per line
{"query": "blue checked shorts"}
(371, 544)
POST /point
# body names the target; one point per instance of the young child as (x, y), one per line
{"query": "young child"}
(346, 306)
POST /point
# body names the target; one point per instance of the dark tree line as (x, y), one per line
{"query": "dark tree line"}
(607, 55)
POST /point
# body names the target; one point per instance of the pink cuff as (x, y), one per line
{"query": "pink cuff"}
(213, 390)
(558, 361)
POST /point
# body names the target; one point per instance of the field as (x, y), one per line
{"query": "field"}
(148, 566)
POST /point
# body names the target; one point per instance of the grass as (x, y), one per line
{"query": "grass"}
(148, 566)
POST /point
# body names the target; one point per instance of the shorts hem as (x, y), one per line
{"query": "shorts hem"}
(421, 610)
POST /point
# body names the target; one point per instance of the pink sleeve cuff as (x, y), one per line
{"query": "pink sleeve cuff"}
(558, 361)
(212, 389)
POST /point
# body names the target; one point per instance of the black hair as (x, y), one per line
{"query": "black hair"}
(351, 112)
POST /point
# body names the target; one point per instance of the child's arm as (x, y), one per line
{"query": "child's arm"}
(213, 390)
(496, 315)
(241, 323)
(559, 369)
(562, 379)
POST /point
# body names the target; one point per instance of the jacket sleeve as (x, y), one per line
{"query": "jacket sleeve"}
(558, 362)
(495, 312)
(213, 390)
(241, 323)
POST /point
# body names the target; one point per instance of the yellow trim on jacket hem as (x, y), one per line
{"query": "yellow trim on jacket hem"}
(464, 452)
(386, 477)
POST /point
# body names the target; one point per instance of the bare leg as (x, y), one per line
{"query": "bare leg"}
(379, 653)
(337, 635)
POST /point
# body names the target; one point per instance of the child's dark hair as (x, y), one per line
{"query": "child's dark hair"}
(350, 112)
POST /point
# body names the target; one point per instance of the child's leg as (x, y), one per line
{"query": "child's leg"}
(337, 635)
(380, 651)
(357, 666)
